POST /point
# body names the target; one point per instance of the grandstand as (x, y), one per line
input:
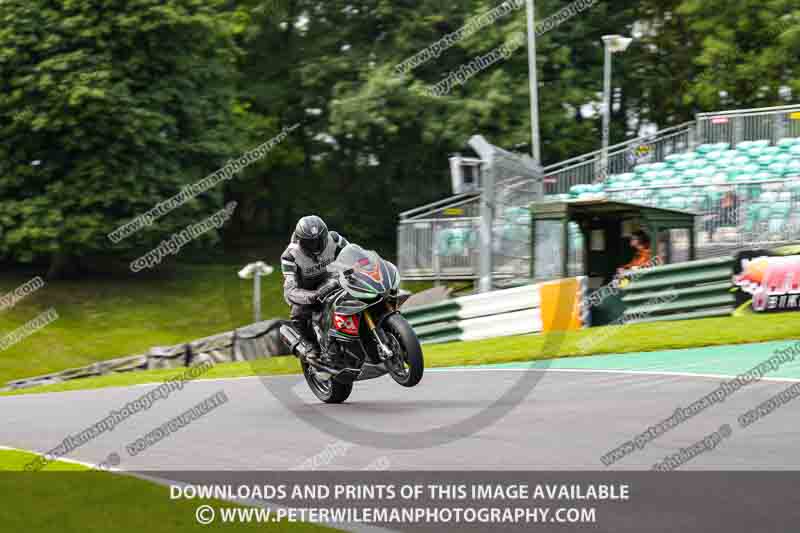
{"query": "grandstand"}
(746, 194)
(738, 171)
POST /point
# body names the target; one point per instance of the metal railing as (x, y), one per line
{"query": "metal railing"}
(437, 208)
(438, 248)
(771, 123)
(449, 248)
(731, 216)
(588, 168)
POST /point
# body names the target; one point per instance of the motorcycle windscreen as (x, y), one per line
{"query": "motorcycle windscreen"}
(371, 276)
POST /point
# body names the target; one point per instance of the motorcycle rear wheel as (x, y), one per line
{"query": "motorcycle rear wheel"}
(407, 365)
(329, 391)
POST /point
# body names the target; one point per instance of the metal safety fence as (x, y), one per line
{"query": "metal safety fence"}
(622, 157)
(771, 123)
(730, 216)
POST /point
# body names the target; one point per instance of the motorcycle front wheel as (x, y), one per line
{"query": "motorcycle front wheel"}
(407, 365)
(327, 390)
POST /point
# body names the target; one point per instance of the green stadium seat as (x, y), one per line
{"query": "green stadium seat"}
(751, 168)
(793, 168)
(763, 176)
(779, 169)
(667, 174)
(720, 178)
(734, 172)
(650, 175)
(783, 157)
(795, 150)
(706, 148)
(771, 150)
(708, 171)
(641, 169)
(788, 142)
(765, 160)
(691, 173)
(741, 160)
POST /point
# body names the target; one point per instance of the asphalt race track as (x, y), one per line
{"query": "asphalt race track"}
(568, 421)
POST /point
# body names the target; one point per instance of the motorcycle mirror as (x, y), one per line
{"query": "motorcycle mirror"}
(348, 272)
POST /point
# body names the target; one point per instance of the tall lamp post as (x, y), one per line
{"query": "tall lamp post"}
(533, 83)
(612, 44)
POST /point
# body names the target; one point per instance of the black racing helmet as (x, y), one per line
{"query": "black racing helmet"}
(312, 234)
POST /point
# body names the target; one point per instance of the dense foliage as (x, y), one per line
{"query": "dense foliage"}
(108, 107)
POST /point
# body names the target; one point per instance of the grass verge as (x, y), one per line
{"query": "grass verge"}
(67, 497)
(604, 340)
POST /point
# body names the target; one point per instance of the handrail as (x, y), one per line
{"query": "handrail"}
(438, 203)
(654, 137)
(754, 111)
(445, 206)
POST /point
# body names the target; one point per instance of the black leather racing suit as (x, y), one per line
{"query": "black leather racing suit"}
(303, 273)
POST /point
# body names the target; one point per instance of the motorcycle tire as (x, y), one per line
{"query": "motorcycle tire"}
(329, 391)
(400, 330)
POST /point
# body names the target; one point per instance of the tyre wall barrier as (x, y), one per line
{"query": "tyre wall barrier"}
(250, 342)
(695, 289)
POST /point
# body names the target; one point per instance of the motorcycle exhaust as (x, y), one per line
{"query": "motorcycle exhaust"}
(290, 337)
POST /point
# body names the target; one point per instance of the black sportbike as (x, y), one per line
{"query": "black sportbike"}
(360, 329)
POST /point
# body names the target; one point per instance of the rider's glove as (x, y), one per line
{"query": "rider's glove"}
(327, 288)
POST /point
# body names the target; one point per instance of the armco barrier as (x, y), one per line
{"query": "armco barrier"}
(696, 289)
(478, 316)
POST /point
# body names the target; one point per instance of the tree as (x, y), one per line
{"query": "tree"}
(106, 110)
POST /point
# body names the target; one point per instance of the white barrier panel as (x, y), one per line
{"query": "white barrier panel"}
(497, 302)
(516, 323)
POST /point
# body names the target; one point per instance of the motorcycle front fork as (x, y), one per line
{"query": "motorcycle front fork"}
(384, 352)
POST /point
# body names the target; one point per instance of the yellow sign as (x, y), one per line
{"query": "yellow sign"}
(795, 115)
(560, 305)
(454, 211)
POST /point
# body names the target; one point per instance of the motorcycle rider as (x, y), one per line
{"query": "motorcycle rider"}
(306, 281)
